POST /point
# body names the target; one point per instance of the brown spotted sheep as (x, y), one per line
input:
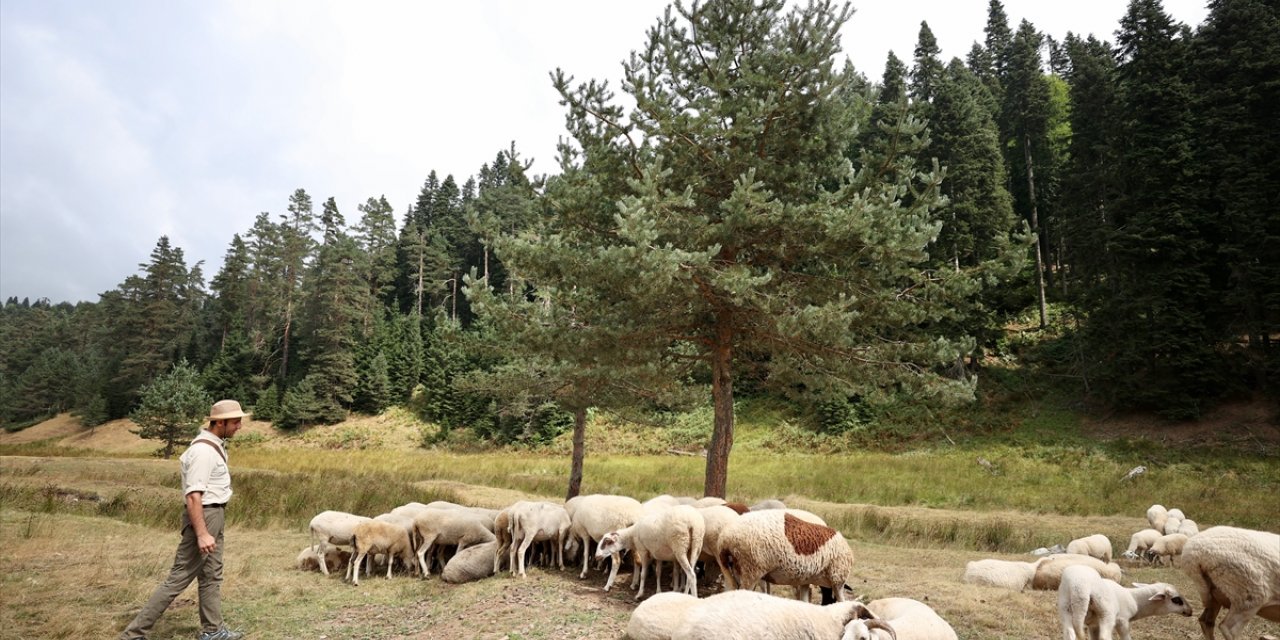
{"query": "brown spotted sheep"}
(780, 548)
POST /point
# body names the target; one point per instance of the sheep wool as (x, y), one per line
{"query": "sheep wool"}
(658, 617)
(1236, 569)
(1005, 574)
(471, 564)
(1091, 607)
(748, 615)
(900, 619)
(1049, 571)
(778, 547)
(1096, 545)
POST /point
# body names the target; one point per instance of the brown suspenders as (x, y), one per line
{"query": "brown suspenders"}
(215, 448)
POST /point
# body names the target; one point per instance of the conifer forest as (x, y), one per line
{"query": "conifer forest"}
(756, 217)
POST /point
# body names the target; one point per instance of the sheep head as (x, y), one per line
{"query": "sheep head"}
(610, 544)
(866, 630)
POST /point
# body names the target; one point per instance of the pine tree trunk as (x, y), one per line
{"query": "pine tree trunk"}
(284, 350)
(579, 450)
(722, 400)
(1035, 225)
(421, 251)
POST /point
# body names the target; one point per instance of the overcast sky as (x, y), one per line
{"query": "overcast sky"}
(126, 120)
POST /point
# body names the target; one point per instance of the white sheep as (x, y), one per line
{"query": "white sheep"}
(1177, 513)
(532, 522)
(376, 536)
(1085, 599)
(673, 534)
(716, 519)
(1006, 574)
(334, 557)
(709, 501)
(1172, 525)
(1096, 545)
(783, 549)
(332, 527)
(459, 527)
(765, 505)
(473, 563)
(900, 619)
(749, 615)
(1238, 569)
(1156, 516)
(1140, 542)
(1049, 570)
(1189, 528)
(592, 516)
(1168, 547)
(658, 617)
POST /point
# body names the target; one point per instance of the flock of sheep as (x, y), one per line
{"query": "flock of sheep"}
(769, 545)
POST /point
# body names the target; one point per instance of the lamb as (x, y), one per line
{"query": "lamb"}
(532, 522)
(1238, 569)
(1169, 546)
(783, 549)
(332, 527)
(1085, 598)
(592, 516)
(900, 619)
(448, 526)
(471, 564)
(658, 617)
(334, 557)
(1157, 515)
(1006, 574)
(376, 536)
(1140, 542)
(748, 615)
(1172, 525)
(671, 534)
(1048, 575)
(1096, 545)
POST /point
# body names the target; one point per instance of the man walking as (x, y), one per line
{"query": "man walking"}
(206, 484)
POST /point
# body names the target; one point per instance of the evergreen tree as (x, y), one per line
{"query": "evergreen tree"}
(376, 237)
(230, 289)
(1025, 123)
(1090, 189)
(172, 407)
(927, 72)
(296, 246)
(336, 299)
(156, 321)
(1236, 64)
(1152, 328)
(698, 224)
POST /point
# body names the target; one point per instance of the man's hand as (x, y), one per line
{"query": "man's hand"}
(206, 542)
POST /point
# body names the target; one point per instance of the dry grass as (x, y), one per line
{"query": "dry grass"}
(65, 575)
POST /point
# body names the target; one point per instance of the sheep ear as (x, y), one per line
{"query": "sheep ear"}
(858, 611)
(1159, 596)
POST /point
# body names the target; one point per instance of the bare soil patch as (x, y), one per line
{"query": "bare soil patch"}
(1246, 423)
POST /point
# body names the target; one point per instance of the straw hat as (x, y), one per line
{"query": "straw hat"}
(226, 410)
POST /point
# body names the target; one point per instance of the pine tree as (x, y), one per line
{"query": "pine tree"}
(1236, 64)
(172, 407)
(710, 243)
(1152, 327)
(296, 248)
(376, 237)
(1024, 126)
(927, 72)
(333, 310)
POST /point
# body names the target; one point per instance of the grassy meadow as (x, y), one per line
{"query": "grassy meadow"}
(90, 530)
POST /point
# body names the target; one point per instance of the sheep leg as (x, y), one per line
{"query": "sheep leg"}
(1238, 616)
(585, 546)
(422, 555)
(615, 560)
(391, 562)
(524, 547)
(690, 579)
(356, 579)
(643, 562)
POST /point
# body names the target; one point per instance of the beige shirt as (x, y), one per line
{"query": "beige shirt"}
(204, 470)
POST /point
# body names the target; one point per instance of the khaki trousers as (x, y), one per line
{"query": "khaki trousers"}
(188, 564)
